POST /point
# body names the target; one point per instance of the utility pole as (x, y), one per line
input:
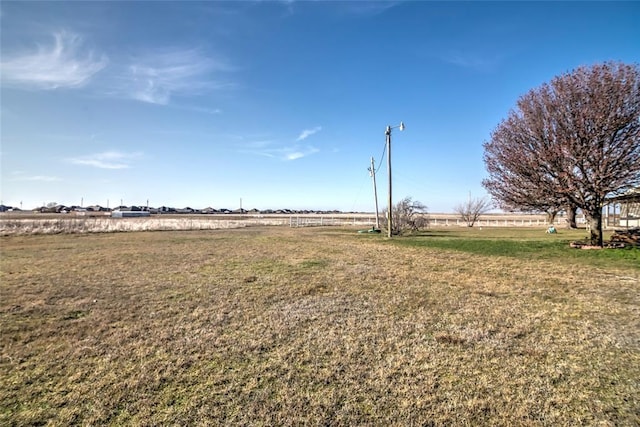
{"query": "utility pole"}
(390, 201)
(372, 172)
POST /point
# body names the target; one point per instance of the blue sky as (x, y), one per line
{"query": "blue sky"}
(281, 104)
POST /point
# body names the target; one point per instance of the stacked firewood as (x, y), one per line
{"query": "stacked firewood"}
(630, 237)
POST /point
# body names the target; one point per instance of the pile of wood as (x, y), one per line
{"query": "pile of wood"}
(630, 237)
(619, 239)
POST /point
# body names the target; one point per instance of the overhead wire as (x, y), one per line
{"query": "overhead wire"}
(357, 198)
(384, 150)
(375, 171)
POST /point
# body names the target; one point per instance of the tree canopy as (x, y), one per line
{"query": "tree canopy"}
(572, 142)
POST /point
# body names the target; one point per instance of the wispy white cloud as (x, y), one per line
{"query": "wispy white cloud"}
(106, 160)
(308, 132)
(472, 60)
(298, 152)
(370, 8)
(267, 147)
(203, 110)
(61, 65)
(42, 178)
(154, 78)
(287, 153)
(348, 9)
(260, 143)
(295, 155)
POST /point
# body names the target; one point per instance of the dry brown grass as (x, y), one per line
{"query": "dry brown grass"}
(274, 326)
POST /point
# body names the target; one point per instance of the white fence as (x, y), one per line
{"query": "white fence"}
(448, 222)
(22, 224)
(320, 221)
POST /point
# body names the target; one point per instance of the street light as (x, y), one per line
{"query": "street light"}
(390, 207)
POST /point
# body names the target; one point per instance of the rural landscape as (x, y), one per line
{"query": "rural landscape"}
(253, 272)
(319, 326)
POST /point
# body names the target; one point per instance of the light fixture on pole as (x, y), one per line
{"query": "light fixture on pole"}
(390, 201)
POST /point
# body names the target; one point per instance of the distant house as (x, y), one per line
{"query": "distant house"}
(97, 208)
(91, 211)
(629, 207)
(4, 208)
(129, 214)
(53, 209)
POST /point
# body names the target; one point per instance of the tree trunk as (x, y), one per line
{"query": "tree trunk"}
(595, 228)
(571, 217)
(551, 217)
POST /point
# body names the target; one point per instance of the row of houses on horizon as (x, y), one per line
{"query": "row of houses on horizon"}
(161, 210)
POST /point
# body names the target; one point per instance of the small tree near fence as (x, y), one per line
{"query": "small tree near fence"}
(471, 210)
(408, 215)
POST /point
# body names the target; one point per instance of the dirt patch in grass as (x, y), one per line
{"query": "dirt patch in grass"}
(274, 326)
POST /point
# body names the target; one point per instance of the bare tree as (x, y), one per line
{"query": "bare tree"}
(408, 215)
(569, 144)
(471, 210)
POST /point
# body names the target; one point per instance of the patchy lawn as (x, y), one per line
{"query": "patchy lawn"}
(279, 326)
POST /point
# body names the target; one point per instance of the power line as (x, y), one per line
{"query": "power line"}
(384, 150)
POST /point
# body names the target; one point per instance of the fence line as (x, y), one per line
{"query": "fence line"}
(311, 221)
(11, 226)
(448, 222)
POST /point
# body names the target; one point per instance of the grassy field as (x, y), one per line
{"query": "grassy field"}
(318, 326)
